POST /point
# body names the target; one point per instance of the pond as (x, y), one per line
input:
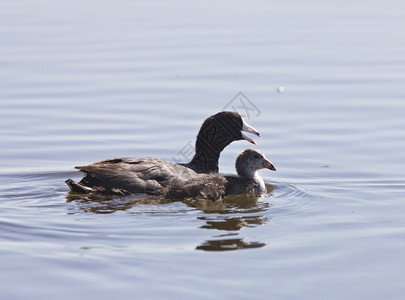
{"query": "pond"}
(324, 85)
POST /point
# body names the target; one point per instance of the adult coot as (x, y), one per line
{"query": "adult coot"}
(153, 175)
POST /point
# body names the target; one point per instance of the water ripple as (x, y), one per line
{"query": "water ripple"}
(292, 199)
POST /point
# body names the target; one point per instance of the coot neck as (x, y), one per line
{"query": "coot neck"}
(215, 134)
(246, 173)
(205, 159)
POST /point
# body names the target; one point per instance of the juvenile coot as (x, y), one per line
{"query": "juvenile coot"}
(216, 186)
(248, 180)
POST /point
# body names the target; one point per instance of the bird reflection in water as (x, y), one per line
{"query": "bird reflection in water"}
(106, 204)
(240, 211)
(231, 244)
(229, 215)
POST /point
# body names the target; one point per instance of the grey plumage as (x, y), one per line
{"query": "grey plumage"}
(154, 176)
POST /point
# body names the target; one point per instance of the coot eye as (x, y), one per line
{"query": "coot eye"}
(256, 156)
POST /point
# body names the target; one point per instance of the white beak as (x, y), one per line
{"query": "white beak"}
(247, 128)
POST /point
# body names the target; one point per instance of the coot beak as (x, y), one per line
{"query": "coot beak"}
(245, 137)
(268, 165)
(247, 128)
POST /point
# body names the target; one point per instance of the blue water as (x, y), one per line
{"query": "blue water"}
(82, 82)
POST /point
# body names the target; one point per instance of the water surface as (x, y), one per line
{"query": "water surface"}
(81, 82)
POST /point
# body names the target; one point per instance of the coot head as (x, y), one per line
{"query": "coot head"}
(217, 132)
(226, 127)
(251, 160)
